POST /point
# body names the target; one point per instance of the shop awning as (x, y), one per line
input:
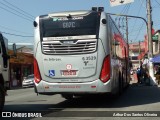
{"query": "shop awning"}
(156, 59)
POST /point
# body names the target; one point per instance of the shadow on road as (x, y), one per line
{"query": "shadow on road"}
(138, 95)
(133, 96)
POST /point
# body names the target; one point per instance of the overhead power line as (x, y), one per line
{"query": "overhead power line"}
(15, 34)
(19, 9)
(139, 31)
(14, 30)
(15, 14)
(7, 6)
(120, 21)
(157, 2)
(137, 15)
(16, 11)
(125, 9)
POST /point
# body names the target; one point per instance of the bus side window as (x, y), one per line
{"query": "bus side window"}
(112, 47)
(115, 55)
(111, 44)
(115, 48)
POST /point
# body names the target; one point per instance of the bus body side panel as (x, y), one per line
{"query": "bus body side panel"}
(118, 56)
(106, 34)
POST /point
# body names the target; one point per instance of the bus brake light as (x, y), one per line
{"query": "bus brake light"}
(105, 72)
(37, 75)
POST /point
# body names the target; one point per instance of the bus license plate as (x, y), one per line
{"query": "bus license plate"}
(69, 72)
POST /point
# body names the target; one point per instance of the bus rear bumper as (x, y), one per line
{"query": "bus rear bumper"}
(87, 87)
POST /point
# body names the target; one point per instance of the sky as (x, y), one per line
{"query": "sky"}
(17, 16)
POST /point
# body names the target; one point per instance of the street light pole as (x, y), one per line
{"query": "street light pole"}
(130, 16)
(150, 44)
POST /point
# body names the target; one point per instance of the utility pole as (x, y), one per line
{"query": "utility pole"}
(150, 44)
(139, 53)
(128, 65)
(127, 35)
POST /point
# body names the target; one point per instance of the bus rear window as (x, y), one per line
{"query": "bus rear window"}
(70, 26)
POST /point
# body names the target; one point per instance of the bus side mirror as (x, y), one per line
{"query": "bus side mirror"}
(104, 21)
(35, 24)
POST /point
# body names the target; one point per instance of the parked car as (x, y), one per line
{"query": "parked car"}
(28, 81)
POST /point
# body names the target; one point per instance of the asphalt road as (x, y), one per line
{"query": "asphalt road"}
(135, 101)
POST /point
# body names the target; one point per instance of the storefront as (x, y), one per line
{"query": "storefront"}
(20, 67)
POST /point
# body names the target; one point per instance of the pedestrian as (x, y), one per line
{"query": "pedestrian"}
(158, 75)
(158, 71)
(138, 74)
(143, 74)
(146, 76)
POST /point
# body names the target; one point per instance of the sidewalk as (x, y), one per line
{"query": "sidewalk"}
(135, 82)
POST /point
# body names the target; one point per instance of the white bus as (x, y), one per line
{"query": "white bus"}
(79, 52)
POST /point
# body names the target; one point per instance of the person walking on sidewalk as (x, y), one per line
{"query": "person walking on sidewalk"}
(146, 76)
(138, 74)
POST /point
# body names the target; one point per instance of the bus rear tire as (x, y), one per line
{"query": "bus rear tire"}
(2, 98)
(67, 96)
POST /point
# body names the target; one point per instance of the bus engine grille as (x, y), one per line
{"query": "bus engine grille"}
(69, 46)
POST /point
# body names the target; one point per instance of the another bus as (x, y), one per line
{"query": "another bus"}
(79, 52)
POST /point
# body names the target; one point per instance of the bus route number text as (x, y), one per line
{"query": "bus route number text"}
(69, 24)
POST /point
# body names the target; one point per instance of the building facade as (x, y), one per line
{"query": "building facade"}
(21, 66)
(139, 50)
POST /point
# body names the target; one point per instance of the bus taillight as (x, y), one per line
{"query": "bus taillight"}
(105, 72)
(37, 75)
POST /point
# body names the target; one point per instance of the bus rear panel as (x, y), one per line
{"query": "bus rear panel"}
(72, 54)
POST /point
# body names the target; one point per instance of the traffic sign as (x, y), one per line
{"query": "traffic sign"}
(120, 2)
